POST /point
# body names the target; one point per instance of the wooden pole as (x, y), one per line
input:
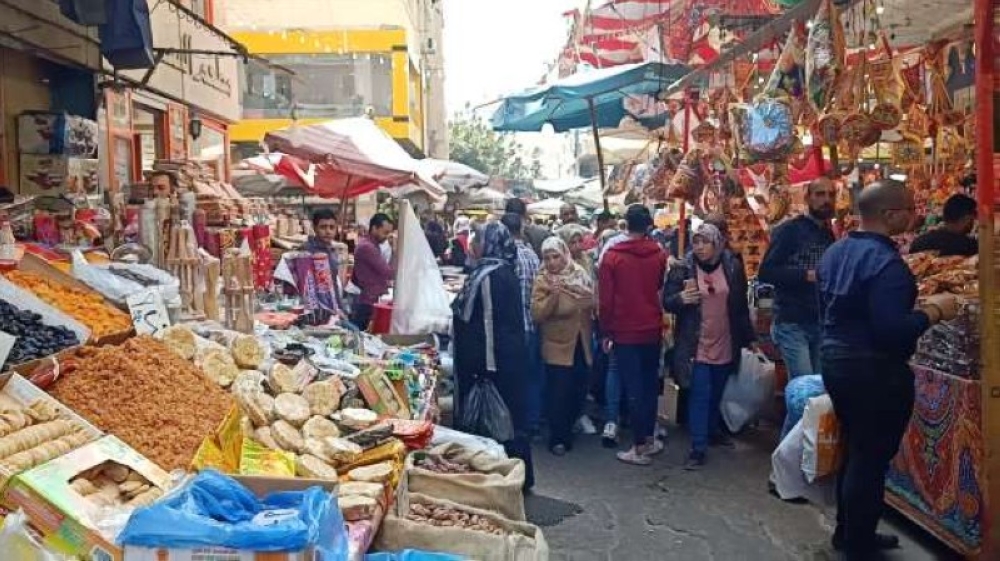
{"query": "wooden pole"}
(987, 95)
(685, 142)
(597, 147)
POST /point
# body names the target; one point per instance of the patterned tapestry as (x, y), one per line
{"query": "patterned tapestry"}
(936, 478)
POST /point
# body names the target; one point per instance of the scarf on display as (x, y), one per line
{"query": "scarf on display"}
(572, 275)
(498, 249)
(711, 234)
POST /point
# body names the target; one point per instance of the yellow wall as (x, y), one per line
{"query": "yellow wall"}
(389, 41)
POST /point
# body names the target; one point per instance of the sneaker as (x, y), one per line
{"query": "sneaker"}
(661, 432)
(695, 461)
(610, 437)
(652, 449)
(634, 457)
(585, 425)
(558, 450)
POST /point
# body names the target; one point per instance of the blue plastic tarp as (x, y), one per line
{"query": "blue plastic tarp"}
(215, 510)
(413, 555)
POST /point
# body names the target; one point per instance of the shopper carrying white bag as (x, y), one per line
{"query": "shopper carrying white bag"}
(747, 392)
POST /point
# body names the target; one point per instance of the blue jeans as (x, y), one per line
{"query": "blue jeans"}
(536, 382)
(639, 371)
(799, 346)
(612, 392)
(704, 398)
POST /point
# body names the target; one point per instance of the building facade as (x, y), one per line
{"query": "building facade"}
(50, 64)
(342, 58)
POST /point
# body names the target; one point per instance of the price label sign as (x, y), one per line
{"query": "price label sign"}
(149, 313)
(6, 345)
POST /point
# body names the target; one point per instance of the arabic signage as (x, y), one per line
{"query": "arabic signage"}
(206, 82)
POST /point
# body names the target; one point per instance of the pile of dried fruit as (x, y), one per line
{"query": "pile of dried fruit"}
(447, 517)
(114, 484)
(88, 308)
(143, 393)
(34, 434)
(440, 465)
(35, 339)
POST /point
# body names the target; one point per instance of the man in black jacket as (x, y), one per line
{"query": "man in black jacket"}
(790, 265)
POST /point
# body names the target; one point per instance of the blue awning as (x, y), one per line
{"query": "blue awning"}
(566, 103)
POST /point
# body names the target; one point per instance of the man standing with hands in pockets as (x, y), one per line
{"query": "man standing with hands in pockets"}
(871, 321)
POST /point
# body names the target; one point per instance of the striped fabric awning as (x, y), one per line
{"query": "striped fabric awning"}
(351, 157)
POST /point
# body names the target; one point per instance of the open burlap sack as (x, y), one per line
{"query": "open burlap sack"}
(495, 484)
(522, 542)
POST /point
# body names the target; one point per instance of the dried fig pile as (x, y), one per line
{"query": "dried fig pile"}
(144, 393)
(441, 465)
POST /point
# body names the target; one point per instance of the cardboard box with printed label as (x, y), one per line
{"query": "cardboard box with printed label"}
(65, 498)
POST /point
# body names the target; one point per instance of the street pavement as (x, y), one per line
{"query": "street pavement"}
(616, 512)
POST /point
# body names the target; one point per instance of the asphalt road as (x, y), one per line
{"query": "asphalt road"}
(610, 511)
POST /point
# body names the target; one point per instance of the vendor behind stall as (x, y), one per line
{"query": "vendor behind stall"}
(953, 237)
(164, 183)
(324, 241)
(372, 274)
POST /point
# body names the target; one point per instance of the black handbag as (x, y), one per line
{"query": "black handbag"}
(127, 36)
(85, 12)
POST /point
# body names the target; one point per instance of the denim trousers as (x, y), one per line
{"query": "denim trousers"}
(639, 372)
(799, 346)
(612, 392)
(536, 382)
(566, 390)
(708, 381)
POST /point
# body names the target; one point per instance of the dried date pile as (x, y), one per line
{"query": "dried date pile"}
(447, 517)
(143, 393)
(441, 465)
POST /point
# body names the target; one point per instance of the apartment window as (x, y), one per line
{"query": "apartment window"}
(323, 86)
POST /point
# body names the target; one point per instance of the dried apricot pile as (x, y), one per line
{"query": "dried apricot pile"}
(88, 308)
(146, 395)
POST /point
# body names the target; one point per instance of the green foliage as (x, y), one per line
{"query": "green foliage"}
(475, 144)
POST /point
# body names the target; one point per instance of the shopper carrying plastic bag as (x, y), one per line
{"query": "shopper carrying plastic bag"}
(747, 392)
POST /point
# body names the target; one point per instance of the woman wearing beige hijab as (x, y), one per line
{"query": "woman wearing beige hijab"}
(562, 304)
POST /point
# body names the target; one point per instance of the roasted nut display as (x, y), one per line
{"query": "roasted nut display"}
(85, 307)
(446, 517)
(145, 394)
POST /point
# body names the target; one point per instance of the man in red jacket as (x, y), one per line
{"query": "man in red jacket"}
(630, 280)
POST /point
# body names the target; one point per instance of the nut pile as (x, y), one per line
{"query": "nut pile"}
(145, 394)
(34, 338)
(33, 435)
(87, 308)
(447, 517)
(112, 484)
(440, 465)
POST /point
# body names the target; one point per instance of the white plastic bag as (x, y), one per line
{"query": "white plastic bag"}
(786, 473)
(16, 541)
(420, 303)
(747, 392)
(821, 439)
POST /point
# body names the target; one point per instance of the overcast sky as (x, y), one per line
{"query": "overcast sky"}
(494, 47)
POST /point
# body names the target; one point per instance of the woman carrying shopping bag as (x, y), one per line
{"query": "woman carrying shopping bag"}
(708, 294)
(489, 338)
(562, 303)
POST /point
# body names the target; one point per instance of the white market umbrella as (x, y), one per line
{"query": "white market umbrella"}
(455, 177)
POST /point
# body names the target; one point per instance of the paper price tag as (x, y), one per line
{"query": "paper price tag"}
(6, 345)
(149, 314)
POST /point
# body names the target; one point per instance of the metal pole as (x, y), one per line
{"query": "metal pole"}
(597, 147)
(682, 225)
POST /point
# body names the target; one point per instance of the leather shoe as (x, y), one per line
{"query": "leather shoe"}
(881, 542)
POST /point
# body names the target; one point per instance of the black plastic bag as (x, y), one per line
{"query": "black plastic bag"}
(484, 412)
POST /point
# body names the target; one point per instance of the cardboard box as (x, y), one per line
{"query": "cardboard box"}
(260, 486)
(380, 394)
(17, 388)
(57, 175)
(65, 520)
